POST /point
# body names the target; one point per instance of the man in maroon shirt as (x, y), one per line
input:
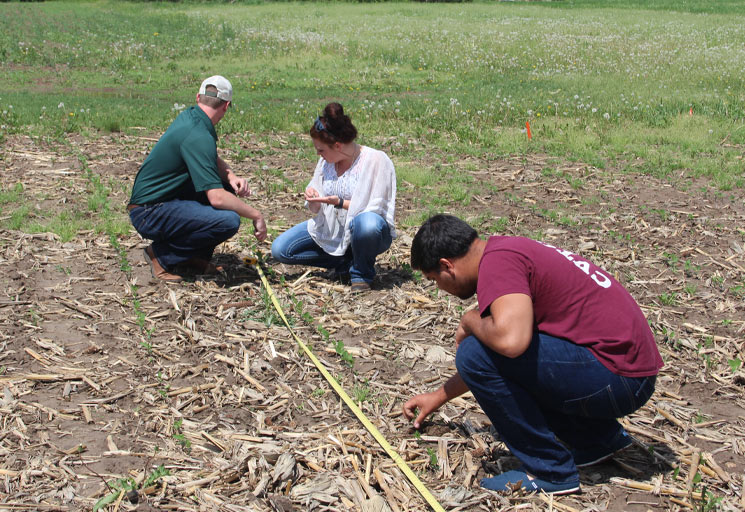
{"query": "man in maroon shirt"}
(556, 351)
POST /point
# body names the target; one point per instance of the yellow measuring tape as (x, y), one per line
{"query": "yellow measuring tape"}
(350, 403)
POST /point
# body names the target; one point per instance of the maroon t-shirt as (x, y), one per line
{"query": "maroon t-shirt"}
(572, 299)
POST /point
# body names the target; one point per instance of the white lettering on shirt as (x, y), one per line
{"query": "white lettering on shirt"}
(600, 279)
(606, 281)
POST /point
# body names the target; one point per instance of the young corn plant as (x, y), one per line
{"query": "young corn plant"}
(179, 436)
(344, 353)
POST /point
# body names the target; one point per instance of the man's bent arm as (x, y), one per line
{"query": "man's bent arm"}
(223, 200)
(223, 169)
(507, 330)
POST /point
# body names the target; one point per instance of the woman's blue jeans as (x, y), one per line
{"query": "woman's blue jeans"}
(370, 236)
(555, 391)
(183, 229)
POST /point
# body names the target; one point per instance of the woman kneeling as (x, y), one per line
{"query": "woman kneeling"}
(353, 197)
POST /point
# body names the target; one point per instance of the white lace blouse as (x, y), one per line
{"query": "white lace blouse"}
(369, 185)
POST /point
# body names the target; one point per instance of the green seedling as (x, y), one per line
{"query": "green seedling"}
(165, 387)
(710, 501)
(738, 291)
(734, 364)
(323, 332)
(155, 475)
(361, 393)
(34, 317)
(124, 265)
(179, 437)
(669, 299)
(343, 353)
(670, 338)
(434, 463)
(128, 484)
(671, 259)
(414, 274)
(689, 268)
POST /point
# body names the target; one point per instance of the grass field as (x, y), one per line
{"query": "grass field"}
(646, 90)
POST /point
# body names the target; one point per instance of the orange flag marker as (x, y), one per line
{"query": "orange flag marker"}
(690, 112)
(527, 126)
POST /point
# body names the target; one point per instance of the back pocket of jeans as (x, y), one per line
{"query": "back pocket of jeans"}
(598, 404)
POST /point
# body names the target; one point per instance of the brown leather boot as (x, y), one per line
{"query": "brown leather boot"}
(157, 270)
(360, 286)
(203, 267)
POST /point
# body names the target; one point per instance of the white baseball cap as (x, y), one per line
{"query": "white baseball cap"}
(224, 89)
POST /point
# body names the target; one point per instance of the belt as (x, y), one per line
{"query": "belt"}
(131, 207)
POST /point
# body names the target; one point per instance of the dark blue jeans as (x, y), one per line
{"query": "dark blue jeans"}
(184, 229)
(370, 237)
(555, 390)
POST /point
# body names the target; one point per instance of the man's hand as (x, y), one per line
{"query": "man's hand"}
(426, 403)
(240, 185)
(260, 229)
(465, 328)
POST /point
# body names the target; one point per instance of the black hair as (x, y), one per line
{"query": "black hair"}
(333, 126)
(441, 236)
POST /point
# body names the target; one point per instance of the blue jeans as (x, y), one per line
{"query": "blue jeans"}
(370, 236)
(184, 229)
(555, 390)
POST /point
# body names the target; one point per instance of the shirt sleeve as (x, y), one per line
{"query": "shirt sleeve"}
(200, 157)
(502, 273)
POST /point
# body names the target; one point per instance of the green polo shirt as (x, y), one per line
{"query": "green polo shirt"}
(182, 162)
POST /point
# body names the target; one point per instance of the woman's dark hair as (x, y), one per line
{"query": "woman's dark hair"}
(333, 126)
(441, 236)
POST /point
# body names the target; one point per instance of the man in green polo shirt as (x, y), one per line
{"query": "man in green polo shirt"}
(185, 198)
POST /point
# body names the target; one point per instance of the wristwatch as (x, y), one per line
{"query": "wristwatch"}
(340, 204)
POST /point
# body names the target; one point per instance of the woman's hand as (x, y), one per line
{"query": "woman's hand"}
(332, 200)
(311, 193)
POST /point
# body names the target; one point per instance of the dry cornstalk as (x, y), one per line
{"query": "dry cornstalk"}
(663, 489)
(694, 469)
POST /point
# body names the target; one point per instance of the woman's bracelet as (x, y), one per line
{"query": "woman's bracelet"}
(341, 203)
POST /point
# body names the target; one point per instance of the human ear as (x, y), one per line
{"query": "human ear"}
(446, 266)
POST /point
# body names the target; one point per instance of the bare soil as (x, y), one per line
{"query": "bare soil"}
(100, 382)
